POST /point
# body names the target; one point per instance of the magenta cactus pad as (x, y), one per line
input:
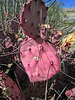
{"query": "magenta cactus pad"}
(34, 12)
(9, 88)
(39, 59)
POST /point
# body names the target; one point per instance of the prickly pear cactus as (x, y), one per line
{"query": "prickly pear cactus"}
(9, 89)
(39, 57)
(14, 25)
(34, 12)
(40, 60)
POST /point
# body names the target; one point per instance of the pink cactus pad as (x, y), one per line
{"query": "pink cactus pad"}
(71, 94)
(39, 59)
(34, 12)
(9, 88)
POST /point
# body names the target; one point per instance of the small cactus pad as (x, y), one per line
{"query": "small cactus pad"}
(34, 12)
(9, 88)
(71, 94)
(39, 59)
(14, 25)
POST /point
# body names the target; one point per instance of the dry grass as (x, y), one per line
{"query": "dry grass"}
(70, 12)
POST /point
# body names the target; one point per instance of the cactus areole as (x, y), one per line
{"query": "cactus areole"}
(34, 12)
(39, 59)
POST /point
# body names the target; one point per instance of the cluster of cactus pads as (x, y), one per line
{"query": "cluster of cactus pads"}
(40, 60)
